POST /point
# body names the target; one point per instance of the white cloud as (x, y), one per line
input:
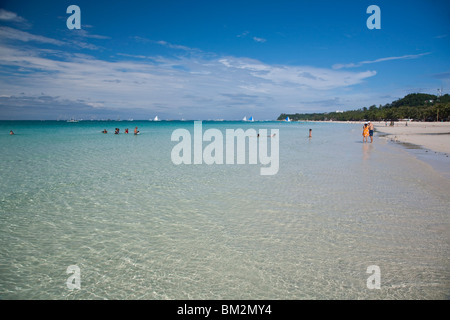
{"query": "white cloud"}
(14, 34)
(95, 104)
(11, 16)
(256, 39)
(300, 77)
(359, 64)
(84, 45)
(173, 46)
(138, 56)
(86, 34)
(262, 40)
(243, 34)
(18, 35)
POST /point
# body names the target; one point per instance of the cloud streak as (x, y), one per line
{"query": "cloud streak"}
(359, 64)
(8, 16)
(256, 39)
(18, 35)
(261, 40)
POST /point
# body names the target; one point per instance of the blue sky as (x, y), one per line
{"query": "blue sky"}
(216, 59)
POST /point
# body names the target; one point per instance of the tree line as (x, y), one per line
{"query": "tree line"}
(414, 106)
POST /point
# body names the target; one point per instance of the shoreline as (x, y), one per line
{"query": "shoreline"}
(426, 141)
(434, 136)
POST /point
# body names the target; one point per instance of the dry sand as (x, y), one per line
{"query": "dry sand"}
(430, 135)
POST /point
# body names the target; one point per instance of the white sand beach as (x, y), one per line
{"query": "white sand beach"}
(430, 135)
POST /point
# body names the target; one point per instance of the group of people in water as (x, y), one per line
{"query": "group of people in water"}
(367, 132)
(117, 130)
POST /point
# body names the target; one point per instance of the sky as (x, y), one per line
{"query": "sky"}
(216, 59)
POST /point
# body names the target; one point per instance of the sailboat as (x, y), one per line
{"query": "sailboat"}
(156, 119)
(287, 119)
(245, 119)
(250, 119)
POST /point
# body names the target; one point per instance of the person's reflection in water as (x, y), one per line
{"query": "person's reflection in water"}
(367, 149)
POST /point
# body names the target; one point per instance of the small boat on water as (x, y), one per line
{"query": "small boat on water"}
(72, 120)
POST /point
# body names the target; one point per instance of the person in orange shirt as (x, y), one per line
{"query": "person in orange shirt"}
(365, 132)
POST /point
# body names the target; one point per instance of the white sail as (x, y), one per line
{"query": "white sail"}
(156, 119)
(245, 119)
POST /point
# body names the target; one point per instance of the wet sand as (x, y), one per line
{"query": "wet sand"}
(430, 135)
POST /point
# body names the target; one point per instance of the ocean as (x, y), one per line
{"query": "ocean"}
(135, 225)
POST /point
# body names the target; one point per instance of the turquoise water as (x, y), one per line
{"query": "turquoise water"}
(140, 227)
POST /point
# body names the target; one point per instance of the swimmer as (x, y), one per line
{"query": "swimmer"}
(271, 136)
(11, 132)
(104, 131)
(136, 131)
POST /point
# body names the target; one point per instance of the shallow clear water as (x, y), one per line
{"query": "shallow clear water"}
(140, 227)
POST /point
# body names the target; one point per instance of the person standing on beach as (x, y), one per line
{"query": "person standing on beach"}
(365, 132)
(371, 131)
